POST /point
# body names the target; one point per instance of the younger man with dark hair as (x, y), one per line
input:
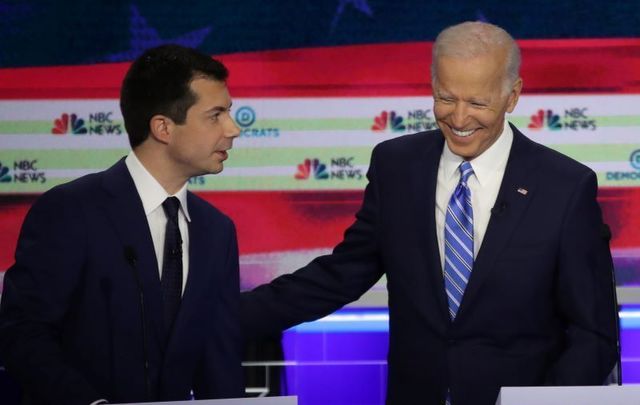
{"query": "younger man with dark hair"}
(125, 285)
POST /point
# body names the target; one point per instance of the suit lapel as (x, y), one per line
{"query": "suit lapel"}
(126, 213)
(424, 189)
(511, 204)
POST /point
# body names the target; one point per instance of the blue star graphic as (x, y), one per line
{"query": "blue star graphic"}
(481, 17)
(144, 36)
(360, 5)
(12, 17)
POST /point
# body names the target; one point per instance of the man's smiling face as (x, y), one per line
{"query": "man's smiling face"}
(470, 101)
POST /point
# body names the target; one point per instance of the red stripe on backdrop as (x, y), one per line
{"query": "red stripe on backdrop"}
(280, 221)
(265, 221)
(619, 210)
(13, 209)
(549, 66)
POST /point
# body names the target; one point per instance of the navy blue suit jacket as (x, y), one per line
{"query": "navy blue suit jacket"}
(71, 327)
(539, 306)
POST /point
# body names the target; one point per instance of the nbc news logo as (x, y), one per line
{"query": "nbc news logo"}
(341, 168)
(573, 119)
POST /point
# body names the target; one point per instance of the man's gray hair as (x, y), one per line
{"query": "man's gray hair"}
(475, 38)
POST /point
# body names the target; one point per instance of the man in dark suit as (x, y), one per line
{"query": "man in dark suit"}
(125, 286)
(497, 270)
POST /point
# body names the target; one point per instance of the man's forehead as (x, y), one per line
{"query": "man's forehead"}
(210, 96)
(200, 81)
(486, 64)
(209, 87)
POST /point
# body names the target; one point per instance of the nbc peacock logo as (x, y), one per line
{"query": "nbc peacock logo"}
(546, 118)
(69, 123)
(5, 176)
(389, 120)
(312, 168)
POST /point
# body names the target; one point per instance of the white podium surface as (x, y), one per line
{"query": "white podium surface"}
(590, 395)
(290, 400)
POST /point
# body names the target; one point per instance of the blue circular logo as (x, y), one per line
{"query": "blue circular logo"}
(245, 116)
(635, 159)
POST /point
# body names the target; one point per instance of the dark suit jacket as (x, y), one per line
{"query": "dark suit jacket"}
(539, 306)
(70, 321)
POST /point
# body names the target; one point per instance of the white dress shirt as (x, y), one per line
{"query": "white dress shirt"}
(153, 195)
(488, 169)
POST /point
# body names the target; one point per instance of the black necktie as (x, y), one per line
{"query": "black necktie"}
(171, 263)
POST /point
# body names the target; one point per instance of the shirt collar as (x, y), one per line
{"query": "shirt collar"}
(151, 192)
(484, 166)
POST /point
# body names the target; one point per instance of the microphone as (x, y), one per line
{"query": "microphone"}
(106, 287)
(132, 258)
(499, 208)
(130, 255)
(605, 233)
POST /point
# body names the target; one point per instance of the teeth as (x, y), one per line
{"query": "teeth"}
(462, 133)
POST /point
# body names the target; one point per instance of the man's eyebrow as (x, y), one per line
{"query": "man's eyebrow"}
(479, 100)
(218, 108)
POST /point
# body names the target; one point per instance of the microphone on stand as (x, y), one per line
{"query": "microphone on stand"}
(132, 258)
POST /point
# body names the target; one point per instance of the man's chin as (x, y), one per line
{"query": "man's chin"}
(464, 150)
(208, 170)
(216, 170)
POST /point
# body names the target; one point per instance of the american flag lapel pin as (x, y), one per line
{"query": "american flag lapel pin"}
(522, 191)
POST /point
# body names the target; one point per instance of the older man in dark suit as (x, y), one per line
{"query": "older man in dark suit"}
(125, 286)
(497, 269)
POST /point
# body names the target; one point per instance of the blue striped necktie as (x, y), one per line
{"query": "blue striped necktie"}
(458, 241)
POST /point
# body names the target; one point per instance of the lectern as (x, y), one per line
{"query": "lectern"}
(291, 400)
(591, 395)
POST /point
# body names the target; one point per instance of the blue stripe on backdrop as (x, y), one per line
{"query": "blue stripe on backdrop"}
(78, 32)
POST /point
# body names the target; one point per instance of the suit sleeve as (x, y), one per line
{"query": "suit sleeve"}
(585, 293)
(37, 294)
(325, 284)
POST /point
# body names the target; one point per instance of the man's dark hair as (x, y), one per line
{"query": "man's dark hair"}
(158, 82)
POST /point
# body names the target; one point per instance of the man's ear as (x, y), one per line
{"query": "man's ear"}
(514, 95)
(160, 127)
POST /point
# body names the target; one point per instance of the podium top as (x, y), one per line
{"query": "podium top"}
(290, 400)
(586, 395)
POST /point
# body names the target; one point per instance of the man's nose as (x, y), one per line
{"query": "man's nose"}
(459, 116)
(231, 129)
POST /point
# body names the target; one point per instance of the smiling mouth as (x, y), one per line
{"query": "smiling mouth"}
(462, 134)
